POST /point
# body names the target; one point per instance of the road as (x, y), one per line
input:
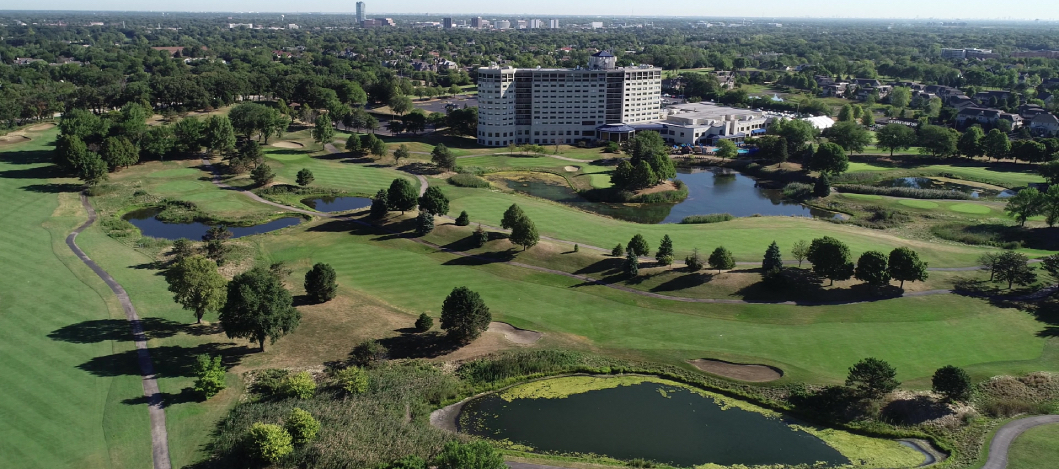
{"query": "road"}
(159, 437)
(998, 448)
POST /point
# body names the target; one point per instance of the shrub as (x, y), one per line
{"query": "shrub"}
(612, 147)
(473, 455)
(710, 218)
(368, 353)
(694, 261)
(480, 236)
(353, 380)
(872, 377)
(908, 192)
(209, 375)
(407, 462)
(269, 442)
(951, 381)
(463, 219)
(182, 248)
(301, 426)
(269, 382)
(424, 323)
(300, 385)
(798, 191)
(468, 180)
(262, 175)
(320, 285)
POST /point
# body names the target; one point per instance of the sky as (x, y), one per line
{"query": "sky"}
(940, 9)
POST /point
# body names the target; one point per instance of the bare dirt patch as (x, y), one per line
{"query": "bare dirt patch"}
(287, 144)
(14, 138)
(665, 186)
(41, 127)
(514, 334)
(499, 336)
(738, 371)
(572, 169)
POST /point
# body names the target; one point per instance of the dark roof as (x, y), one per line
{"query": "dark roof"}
(615, 128)
(603, 53)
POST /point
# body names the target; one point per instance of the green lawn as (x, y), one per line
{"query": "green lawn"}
(331, 171)
(65, 402)
(813, 343)
(1036, 448)
(1006, 175)
(747, 238)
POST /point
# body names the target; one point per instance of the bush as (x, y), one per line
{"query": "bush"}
(612, 147)
(320, 285)
(300, 385)
(908, 192)
(507, 367)
(269, 382)
(468, 180)
(182, 248)
(301, 426)
(951, 381)
(480, 236)
(474, 455)
(424, 323)
(798, 191)
(269, 443)
(694, 261)
(368, 353)
(710, 218)
(209, 375)
(262, 175)
(353, 380)
(424, 223)
(463, 219)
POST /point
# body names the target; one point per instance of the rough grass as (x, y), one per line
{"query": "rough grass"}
(468, 180)
(711, 218)
(903, 192)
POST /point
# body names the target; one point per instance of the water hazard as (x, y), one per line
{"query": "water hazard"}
(148, 223)
(653, 421)
(337, 204)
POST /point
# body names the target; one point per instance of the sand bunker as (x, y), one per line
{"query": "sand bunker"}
(13, 139)
(514, 334)
(40, 127)
(286, 144)
(741, 372)
(571, 169)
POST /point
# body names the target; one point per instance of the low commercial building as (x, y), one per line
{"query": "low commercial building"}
(707, 123)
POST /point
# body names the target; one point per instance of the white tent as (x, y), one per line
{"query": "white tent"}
(820, 122)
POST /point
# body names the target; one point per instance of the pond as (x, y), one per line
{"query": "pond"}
(708, 192)
(148, 223)
(943, 184)
(651, 420)
(337, 204)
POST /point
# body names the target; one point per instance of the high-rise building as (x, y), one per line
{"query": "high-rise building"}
(521, 24)
(361, 12)
(503, 24)
(548, 106)
(535, 24)
(476, 22)
(554, 24)
(447, 23)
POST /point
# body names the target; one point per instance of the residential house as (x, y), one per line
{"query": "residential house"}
(863, 92)
(833, 89)
(991, 98)
(26, 60)
(986, 117)
(1044, 124)
(1029, 111)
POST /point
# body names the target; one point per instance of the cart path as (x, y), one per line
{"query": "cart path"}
(159, 436)
(998, 448)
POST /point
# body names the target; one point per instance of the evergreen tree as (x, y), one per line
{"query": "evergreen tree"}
(872, 377)
(379, 205)
(664, 256)
(434, 201)
(305, 177)
(463, 219)
(480, 236)
(464, 315)
(773, 258)
(721, 259)
(424, 323)
(694, 261)
(638, 245)
(618, 251)
(951, 381)
(320, 283)
(631, 266)
(643, 176)
(822, 188)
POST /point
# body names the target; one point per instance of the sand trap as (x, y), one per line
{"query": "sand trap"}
(751, 373)
(285, 144)
(572, 169)
(40, 127)
(514, 334)
(13, 139)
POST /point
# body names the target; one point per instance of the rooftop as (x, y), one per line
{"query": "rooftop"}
(704, 113)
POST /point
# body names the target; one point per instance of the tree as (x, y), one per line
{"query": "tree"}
(937, 141)
(850, 136)
(434, 201)
(119, 152)
(70, 153)
(442, 157)
(996, 144)
(900, 97)
(971, 142)
(323, 131)
(822, 187)
(1013, 267)
(320, 284)
(209, 375)
(904, 264)
(830, 258)
(773, 259)
(480, 236)
(188, 133)
(524, 233)
(721, 259)
(378, 147)
(258, 308)
(895, 137)
(270, 443)
(1050, 171)
(871, 269)
(643, 176)
(772, 148)
(400, 104)
(464, 315)
(368, 353)
(1050, 205)
(872, 377)
(800, 251)
(631, 265)
(846, 114)
(92, 169)
(196, 285)
(424, 223)
(1025, 204)
(638, 245)
(218, 135)
(474, 455)
(262, 175)
(379, 205)
(424, 323)
(305, 177)
(694, 261)
(354, 379)
(1051, 265)
(182, 249)
(401, 196)
(353, 146)
(618, 250)
(463, 219)
(302, 426)
(664, 256)
(867, 119)
(829, 158)
(1028, 150)
(727, 149)
(511, 217)
(796, 132)
(952, 382)
(400, 152)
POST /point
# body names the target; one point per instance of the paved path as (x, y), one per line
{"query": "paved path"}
(159, 437)
(998, 448)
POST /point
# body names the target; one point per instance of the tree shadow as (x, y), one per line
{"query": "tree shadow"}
(431, 344)
(185, 396)
(483, 258)
(169, 360)
(36, 172)
(27, 157)
(688, 280)
(605, 265)
(419, 167)
(101, 330)
(53, 188)
(914, 411)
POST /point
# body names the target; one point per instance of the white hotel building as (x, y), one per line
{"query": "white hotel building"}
(548, 106)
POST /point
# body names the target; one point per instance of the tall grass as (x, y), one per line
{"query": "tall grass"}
(908, 192)
(468, 180)
(710, 218)
(798, 191)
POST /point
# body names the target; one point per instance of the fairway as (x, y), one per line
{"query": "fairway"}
(970, 208)
(1035, 446)
(330, 171)
(1006, 175)
(915, 203)
(57, 320)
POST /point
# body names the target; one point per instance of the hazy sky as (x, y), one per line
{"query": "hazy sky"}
(943, 9)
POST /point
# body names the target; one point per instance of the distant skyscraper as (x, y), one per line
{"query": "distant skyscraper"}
(534, 24)
(476, 22)
(361, 11)
(503, 24)
(447, 23)
(554, 24)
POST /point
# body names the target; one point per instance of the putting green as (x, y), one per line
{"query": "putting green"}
(918, 203)
(970, 208)
(600, 180)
